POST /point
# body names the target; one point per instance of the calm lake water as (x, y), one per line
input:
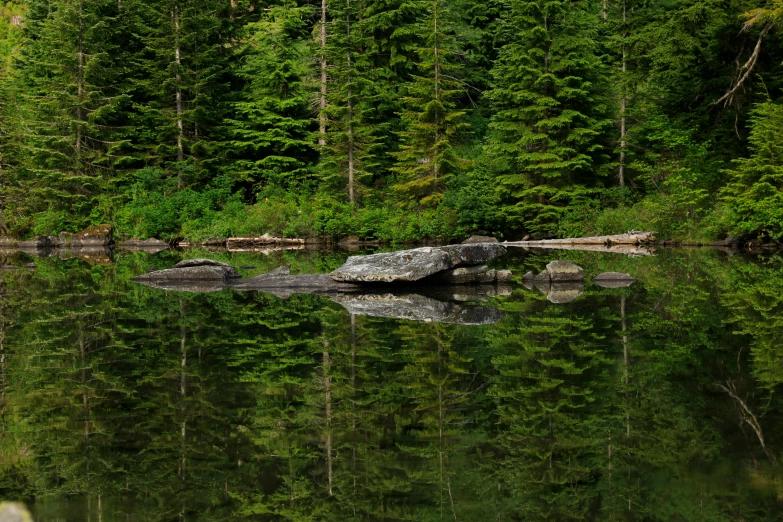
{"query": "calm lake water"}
(657, 402)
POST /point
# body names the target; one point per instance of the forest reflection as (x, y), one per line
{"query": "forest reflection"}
(653, 402)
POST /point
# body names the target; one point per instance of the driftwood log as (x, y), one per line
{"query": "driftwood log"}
(632, 243)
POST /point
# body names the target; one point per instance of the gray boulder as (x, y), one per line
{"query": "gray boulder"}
(479, 239)
(405, 265)
(614, 280)
(564, 272)
(415, 264)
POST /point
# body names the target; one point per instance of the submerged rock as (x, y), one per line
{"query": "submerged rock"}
(414, 264)
(416, 307)
(465, 276)
(614, 280)
(279, 282)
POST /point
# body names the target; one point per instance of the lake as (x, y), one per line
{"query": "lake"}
(658, 402)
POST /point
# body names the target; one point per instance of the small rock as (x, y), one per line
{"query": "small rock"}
(528, 276)
(564, 272)
(10, 267)
(542, 278)
(193, 270)
(479, 239)
(7, 242)
(30, 266)
(503, 276)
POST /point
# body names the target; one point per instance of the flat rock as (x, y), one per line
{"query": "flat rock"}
(614, 280)
(200, 261)
(416, 307)
(479, 239)
(8, 242)
(405, 265)
(192, 273)
(38, 242)
(564, 272)
(279, 282)
(144, 244)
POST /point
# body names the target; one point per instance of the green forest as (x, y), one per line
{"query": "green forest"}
(394, 120)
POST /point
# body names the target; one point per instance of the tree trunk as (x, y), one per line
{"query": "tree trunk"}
(80, 86)
(322, 113)
(623, 104)
(351, 144)
(436, 49)
(178, 78)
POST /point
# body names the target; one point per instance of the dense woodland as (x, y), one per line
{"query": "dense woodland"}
(656, 402)
(392, 119)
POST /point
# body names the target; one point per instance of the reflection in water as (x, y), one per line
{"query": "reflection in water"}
(651, 402)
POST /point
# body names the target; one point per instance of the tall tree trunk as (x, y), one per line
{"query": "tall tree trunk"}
(351, 144)
(322, 104)
(436, 49)
(623, 104)
(80, 87)
(178, 78)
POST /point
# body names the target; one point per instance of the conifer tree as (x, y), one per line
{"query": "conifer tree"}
(271, 136)
(67, 93)
(546, 131)
(431, 116)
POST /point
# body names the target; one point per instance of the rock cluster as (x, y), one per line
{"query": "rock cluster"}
(564, 281)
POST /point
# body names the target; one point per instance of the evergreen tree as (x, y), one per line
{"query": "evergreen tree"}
(548, 122)
(433, 122)
(271, 135)
(67, 92)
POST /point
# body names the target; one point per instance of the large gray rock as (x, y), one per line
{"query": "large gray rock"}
(200, 261)
(565, 272)
(415, 264)
(614, 280)
(417, 307)
(405, 265)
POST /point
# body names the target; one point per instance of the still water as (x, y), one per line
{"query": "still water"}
(656, 402)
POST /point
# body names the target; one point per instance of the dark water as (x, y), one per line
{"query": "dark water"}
(656, 402)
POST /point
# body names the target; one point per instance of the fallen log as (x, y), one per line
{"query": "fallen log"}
(265, 240)
(630, 238)
(629, 250)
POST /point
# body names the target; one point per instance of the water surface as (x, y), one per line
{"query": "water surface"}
(660, 401)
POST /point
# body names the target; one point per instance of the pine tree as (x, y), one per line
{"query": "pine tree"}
(186, 73)
(546, 131)
(271, 135)
(352, 141)
(431, 116)
(67, 94)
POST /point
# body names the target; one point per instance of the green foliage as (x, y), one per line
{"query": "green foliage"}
(753, 198)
